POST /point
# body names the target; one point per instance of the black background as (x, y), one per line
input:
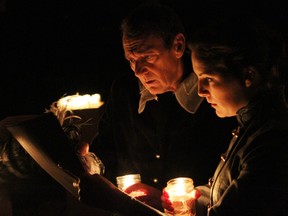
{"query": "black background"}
(52, 48)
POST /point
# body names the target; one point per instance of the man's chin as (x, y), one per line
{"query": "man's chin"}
(155, 91)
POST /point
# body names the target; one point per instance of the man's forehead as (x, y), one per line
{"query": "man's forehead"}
(140, 44)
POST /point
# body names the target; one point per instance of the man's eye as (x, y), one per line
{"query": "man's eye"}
(150, 58)
(131, 61)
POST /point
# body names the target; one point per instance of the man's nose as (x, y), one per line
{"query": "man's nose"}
(139, 68)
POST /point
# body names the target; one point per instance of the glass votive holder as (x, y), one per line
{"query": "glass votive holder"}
(125, 181)
(180, 194)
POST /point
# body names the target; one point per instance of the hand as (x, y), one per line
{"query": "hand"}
(98, 192)
(146, 194)
(167, 203)
(91, 163)
(82, 148)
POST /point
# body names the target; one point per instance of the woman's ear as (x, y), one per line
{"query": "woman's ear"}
(250, 76)
(179, 45)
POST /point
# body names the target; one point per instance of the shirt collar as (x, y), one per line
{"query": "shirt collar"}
(186, 95)
(145, 97)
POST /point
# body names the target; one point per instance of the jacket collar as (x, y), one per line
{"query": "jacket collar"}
(264, 105)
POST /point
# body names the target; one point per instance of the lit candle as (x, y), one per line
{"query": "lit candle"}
(125, 181)
(181, 196)
(78, 102)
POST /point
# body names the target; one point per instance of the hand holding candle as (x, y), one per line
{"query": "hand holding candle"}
(181, 195)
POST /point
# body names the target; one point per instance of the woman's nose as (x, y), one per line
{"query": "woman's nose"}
(202, 91)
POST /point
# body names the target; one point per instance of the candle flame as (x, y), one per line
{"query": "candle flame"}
(78, 102)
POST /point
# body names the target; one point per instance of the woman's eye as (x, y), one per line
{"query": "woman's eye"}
(209, 79)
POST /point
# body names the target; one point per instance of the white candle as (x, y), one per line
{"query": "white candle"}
(180, 194)
(78, 102)
(125, 181)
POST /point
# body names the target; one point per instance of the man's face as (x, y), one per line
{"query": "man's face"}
(158, 68)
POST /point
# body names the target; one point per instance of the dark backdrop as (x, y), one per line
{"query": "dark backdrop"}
(51, 48)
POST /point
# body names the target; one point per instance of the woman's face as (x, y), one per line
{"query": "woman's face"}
(226, 94)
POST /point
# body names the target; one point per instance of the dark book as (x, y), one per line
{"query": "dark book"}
(44, 139)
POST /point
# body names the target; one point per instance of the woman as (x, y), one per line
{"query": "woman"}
(239, 74)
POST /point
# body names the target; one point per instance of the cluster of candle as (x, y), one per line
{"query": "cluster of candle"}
(180, 191)
(78, 102)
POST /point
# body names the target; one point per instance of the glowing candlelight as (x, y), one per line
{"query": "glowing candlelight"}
(181, 196)
(78, 102)
(125, 181)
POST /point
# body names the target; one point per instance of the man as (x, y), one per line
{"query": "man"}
(154, 123)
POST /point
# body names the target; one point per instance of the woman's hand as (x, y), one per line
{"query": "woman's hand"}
(167, 203)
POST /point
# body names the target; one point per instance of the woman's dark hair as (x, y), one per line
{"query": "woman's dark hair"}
(231, 45)
(152, 19)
